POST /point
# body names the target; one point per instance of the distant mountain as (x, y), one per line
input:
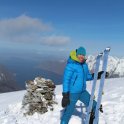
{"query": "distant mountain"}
(27, 69)
(115, 66)
(7, 81)
(50, 68)
(56, 66)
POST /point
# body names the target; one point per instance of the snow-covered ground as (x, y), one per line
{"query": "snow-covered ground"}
(113, 106)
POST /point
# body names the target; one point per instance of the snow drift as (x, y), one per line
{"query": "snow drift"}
(113, 99)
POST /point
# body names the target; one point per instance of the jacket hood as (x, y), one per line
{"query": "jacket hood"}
(73, 55)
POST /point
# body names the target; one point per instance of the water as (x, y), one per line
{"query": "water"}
(25, 69)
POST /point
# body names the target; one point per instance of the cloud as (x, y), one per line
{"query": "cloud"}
(55, 40)
(29, 30)
(22, 24)
(63, 49)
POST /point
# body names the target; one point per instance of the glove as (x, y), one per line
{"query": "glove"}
(65, 99)
(100, 73)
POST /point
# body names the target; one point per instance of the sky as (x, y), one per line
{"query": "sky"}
(55, 27)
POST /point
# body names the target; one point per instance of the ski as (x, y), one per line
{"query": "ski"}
(97, 64)
(101, 86)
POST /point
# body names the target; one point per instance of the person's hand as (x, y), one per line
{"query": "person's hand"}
(100, 73)
(65, 99)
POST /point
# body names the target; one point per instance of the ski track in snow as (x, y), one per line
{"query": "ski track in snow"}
(113, 106)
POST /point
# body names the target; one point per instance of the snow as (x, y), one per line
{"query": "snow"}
(113, 106)
(115, 65)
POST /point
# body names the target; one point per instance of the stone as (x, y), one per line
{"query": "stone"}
(39, 96)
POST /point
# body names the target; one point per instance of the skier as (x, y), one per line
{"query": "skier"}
(76, 74)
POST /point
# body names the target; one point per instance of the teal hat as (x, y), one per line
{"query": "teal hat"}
(81, 51)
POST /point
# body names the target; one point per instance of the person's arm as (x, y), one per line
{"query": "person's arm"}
(89, 75)
(68, 72)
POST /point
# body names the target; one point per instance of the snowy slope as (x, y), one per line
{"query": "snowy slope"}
(113, 104)
(115, 65)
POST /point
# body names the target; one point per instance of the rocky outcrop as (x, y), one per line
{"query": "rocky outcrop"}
(39, 97)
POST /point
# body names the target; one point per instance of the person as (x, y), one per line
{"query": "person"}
(76, 74)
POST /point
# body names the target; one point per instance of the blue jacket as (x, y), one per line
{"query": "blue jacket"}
(75, 75)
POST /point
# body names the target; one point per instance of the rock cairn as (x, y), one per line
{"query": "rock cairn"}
(39, 96)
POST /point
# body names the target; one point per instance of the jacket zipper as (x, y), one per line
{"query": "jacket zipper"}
(84, 73)
(75, 80)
